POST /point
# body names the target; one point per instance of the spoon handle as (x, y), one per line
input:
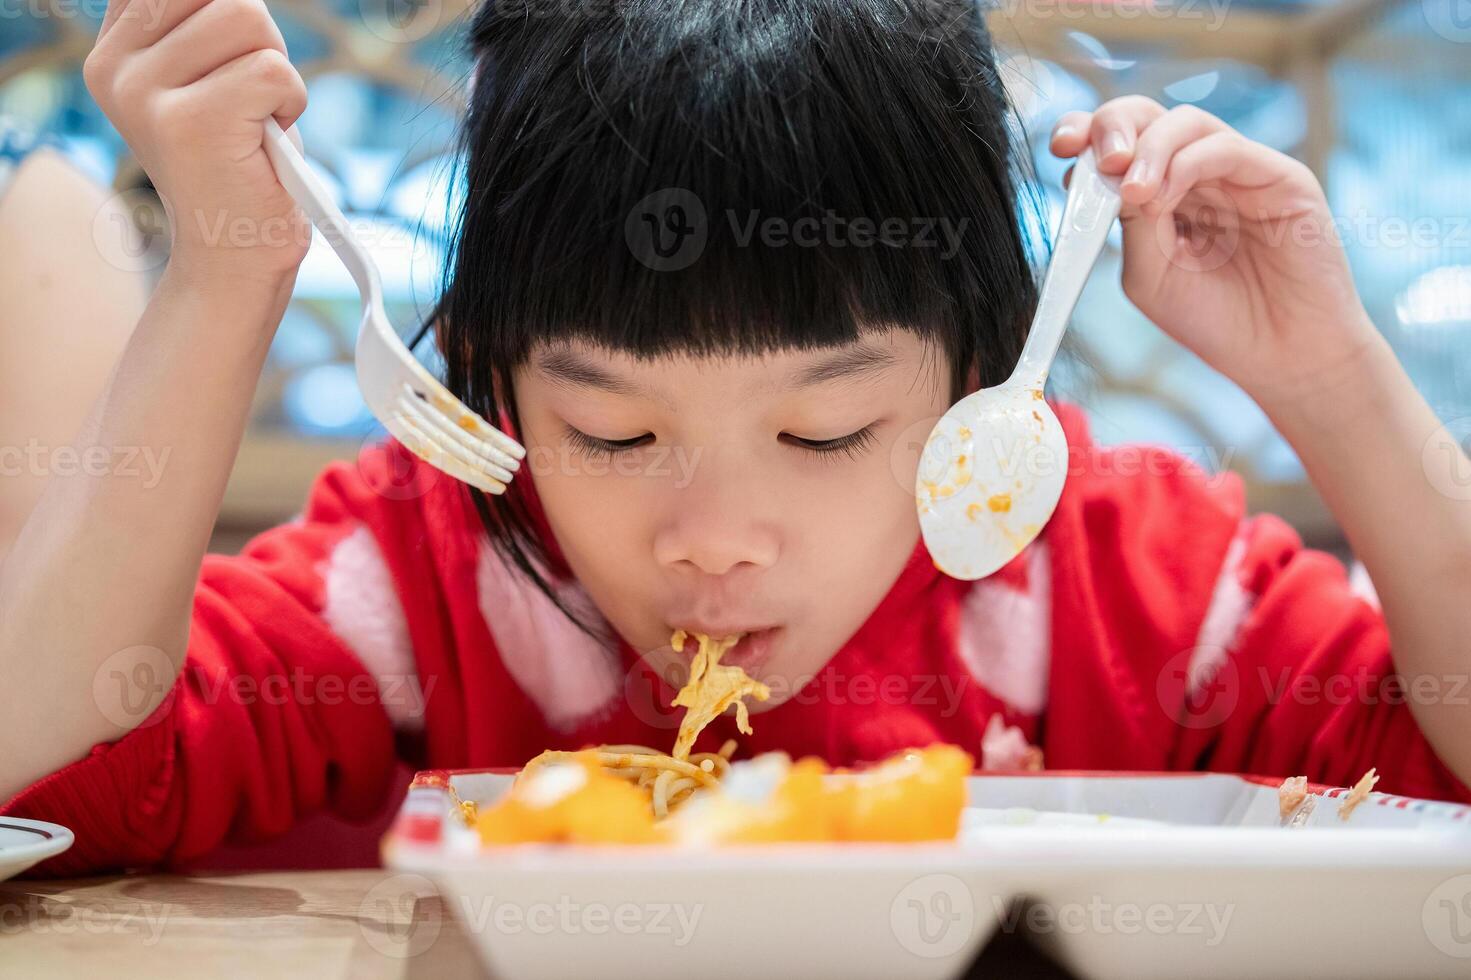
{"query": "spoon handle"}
(1092, 204)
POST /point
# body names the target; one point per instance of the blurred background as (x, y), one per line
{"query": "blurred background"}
(1375, 95)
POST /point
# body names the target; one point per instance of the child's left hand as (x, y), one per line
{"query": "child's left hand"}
(1229, 246)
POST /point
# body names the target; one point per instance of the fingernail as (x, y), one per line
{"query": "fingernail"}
(1138, 173)
(1063, 131)
(1115, 142)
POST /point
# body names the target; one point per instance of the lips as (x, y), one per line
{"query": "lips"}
(753, 648)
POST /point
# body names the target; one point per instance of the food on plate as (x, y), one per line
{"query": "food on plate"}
(915, 795)
(1290, 794)
(631, 794)
(667, 780)
(1360, 791)
(573, 801)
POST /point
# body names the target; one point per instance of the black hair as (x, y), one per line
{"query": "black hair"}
(598, 129)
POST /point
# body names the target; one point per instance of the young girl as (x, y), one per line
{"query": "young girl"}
(720, 267)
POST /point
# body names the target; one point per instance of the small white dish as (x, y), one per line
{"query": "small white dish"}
(25, 843)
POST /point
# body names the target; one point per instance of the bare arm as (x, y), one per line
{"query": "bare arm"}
(108, 560)
(58, 343)
(1401, 488)
(1230, 247)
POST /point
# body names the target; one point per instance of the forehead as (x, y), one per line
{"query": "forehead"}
(875, 359)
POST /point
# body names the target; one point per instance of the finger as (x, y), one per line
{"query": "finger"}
(1116, 127)
(1228, 156)
(1070, 133)
(255, 85)
(1157, 146)
(213, 35)
(115, 10)
(145, 21)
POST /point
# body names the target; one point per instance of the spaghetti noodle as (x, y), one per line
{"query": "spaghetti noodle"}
(668, 779)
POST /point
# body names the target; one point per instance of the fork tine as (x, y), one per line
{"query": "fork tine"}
(431, 451)
(458, 416)
(465, 431)
(442, 431)
(411, 409)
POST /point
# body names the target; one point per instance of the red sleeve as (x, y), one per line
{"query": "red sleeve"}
(1302, 669)
(1189, 635)
(272, 717)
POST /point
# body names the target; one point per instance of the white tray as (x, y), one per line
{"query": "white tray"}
(1186, 874)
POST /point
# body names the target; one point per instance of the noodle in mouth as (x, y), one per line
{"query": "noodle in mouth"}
(669, 779)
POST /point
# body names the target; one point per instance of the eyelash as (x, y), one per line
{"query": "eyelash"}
(851, 445)
(593, 446)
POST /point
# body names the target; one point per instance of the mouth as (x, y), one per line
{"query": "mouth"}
(752, 649)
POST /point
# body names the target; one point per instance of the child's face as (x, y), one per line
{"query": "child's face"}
(771, 495)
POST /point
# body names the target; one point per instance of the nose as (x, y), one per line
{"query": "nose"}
(716, 526)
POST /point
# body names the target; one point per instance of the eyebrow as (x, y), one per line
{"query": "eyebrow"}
(851, 362)
(569, 368)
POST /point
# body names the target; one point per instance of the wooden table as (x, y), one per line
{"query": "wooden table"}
(363, 924)
(314, 925)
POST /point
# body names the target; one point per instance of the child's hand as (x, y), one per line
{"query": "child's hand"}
(1229, 246)
(189, 85)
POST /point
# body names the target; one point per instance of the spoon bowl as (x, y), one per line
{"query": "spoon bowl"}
(994, 466)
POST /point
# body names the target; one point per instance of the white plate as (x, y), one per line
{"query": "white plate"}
(1187, 875)
(24, 843)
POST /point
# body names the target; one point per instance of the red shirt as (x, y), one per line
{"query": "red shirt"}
(1153, 626)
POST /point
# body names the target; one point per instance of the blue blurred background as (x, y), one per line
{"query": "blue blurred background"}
(1373, 94)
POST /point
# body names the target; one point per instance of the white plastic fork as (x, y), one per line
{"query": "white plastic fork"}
(400, 392)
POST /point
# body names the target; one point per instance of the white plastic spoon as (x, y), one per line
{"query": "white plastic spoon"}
(994, 466)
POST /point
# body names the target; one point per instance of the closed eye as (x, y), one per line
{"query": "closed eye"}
(852, 444)
(594, 446)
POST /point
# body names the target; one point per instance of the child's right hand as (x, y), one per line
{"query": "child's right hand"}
(189, 85)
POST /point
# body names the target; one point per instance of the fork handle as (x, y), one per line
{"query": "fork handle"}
(285, 154)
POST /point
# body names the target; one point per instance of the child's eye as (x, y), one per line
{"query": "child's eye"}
(851, 444)
(593, 446)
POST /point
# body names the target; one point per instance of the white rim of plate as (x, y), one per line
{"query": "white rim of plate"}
(51, 839)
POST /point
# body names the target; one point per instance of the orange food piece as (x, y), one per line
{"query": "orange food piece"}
(569, 802)
(914, 796)
(798, 810)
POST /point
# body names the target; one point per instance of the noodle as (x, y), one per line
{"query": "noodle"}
(671, 778)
